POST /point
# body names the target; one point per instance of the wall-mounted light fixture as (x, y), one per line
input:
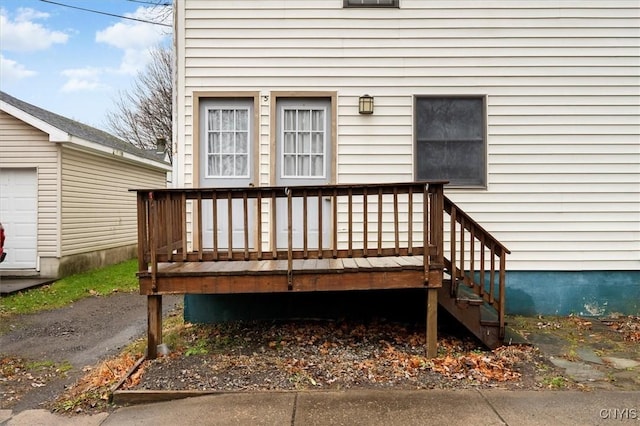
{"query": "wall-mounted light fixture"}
(365, 104)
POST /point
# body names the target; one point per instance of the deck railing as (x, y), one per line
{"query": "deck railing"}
(329, 221)
(322, 222)
(476, 259)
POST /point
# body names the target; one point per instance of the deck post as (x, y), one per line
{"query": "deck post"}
(432, 322)
(154, 325)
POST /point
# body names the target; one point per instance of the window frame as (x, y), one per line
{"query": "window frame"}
(352, 4)
(484, 132)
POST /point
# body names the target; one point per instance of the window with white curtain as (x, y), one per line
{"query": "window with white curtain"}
(304, 142)
(227, 147)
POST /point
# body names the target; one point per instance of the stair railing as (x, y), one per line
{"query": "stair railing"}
(476, 259)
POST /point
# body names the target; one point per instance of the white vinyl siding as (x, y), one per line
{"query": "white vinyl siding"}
(23, 146)
(560, 79)
(98, 211)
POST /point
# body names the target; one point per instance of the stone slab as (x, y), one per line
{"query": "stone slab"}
(429, 407)
(46, 418)
(578, 371)
(621, 363)
(558, 408)
(268, 408)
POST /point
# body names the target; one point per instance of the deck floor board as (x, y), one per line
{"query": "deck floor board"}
(266, 267)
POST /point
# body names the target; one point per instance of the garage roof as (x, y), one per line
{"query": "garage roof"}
(62, 129)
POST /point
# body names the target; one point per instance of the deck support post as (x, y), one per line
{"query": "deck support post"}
(432, 322)
(154, 325)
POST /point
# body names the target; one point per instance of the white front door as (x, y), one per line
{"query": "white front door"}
(19, 217)
(226, 151)
(303, 157)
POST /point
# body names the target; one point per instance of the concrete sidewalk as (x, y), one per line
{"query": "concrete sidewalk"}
(422, 407)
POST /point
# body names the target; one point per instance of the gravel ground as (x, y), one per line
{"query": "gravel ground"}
(335, 355)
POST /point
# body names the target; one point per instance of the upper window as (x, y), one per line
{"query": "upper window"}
(450, 140)
(371, 3)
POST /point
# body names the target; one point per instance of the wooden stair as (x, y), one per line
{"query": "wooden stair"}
(473, 286)
(471, 310)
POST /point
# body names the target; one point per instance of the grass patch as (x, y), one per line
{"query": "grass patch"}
(556, 382)
(98, 282)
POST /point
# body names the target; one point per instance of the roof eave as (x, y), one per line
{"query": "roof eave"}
(55, 134)
(117, 153)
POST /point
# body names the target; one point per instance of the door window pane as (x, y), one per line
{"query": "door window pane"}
(228, 142)
(303, 139)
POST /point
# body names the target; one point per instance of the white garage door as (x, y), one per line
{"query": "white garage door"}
(18, 214)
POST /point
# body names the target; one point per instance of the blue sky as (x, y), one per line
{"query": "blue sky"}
(73, 62)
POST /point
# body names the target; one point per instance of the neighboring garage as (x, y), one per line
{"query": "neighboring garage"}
(19, 216)
(64, 199)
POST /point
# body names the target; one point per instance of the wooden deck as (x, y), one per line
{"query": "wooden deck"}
(384, 236)
(269, 276)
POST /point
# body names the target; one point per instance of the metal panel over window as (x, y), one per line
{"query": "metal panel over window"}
(304, 142)
(450, 140)
(227, 142)
(371, 3)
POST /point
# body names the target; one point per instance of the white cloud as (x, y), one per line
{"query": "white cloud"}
(12, 70)
(27, 14)
(23, 34)
(135, 38)
(83, 79)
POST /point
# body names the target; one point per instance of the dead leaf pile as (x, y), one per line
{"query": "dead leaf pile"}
(92, 390)
(326, 355)
(628, 327)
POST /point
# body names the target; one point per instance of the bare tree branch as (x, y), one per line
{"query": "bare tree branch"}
(143, 114)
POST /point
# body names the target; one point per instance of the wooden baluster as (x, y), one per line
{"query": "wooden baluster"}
(482, 265)
(289, 239)
(259, 214)
(214, 214)
(335, 223)
(274, 227)
(320, 227)
(501, 296)
(396, 226)
(183, 225)
(199, 212)
(427, 241)
(350, 221)
(168, 223)
(436, 230)
(365, 222)
(305, 228)
(461, 269)
(143, 232)
(153, 240)
(453, 248)
(229, 225)
(245, 208)
(410, 222)
(472, 254)
(380, 221)
(492, 276)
